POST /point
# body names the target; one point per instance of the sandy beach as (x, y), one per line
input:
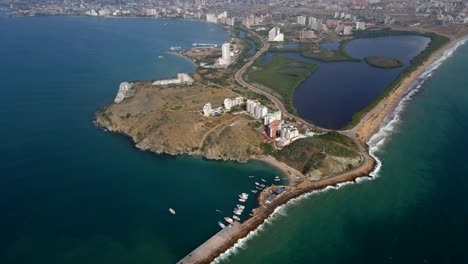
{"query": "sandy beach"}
(291, 173)
(373, 120)
(368, 126)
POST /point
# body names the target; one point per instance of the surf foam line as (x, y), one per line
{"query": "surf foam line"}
(279, 211)
(390, 123)
(375, 143)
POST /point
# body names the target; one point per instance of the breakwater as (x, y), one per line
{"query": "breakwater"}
(226, 238)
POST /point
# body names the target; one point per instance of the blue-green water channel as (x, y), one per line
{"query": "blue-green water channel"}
(72, 193)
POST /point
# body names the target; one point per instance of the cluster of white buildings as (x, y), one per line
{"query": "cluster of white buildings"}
(125, 90)
(220, 18)
(230, 103)
(182, 78)
(289, 132)
(252, 20)
(255, 109)
(275, 35)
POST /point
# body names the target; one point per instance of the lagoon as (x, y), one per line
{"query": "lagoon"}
(337, 90)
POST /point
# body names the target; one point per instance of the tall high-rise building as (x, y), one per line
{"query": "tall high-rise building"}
(301, 20)
(226, 53)
(275, 35)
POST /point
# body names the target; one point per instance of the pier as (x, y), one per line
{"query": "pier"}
(227, 237)
(212, 245)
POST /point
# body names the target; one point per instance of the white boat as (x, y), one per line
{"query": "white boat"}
(240, 206)
(251, 176)
(262, 185)
(256, 183)
(254, 191)
(242, 200)
(263, 180)
(258, 188)
(244, 196)
(237, 212)
(221, 225)
(236, 217)
(277, 180)
(172, 211)
(228, 219)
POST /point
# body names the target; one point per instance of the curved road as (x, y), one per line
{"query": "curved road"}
(277, 102)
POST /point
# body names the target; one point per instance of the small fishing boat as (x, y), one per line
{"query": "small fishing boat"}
(244, 196)
(172, 211)
(240, 206)
(263, 180)
(262, 185)
(236, 217)
(242, 200)
(221, 225)
(254, 191)
(237, 212)
(258, 188)
(256, 183)
(228, 219)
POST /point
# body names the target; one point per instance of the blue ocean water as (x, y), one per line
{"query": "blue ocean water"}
(71, 193)
(413, 210)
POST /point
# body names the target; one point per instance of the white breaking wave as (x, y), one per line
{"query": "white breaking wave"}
(391, 121)
(374, 143)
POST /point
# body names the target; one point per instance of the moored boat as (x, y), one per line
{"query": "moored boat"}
(221, 225)
(237, 212)
(236, 217)
(254, 191)
(228, 219)
(172, 211)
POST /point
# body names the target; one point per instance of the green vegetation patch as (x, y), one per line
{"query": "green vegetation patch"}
(308, 154)
(328, 55)
(283, 75)
(383, 62)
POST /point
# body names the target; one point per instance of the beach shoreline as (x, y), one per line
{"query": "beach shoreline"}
(369, 125)
(373, 120)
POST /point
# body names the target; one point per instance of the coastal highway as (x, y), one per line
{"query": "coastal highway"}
(226, 238)
(277, 102)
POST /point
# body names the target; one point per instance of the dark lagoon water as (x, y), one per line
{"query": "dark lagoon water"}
(253, 46)
(71, 193)
(337, 90)
(330, 45)
(415, 210)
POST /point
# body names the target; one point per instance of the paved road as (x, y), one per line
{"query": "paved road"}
(277, 102)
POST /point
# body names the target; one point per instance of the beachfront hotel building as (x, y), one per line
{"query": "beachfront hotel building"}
(230, 103)
(260, 111)
(225, 54)
(182, 78)
(273, 128)
(275, 35)
(207, 109)
(125, 90)
(270, 117)
(289, 132)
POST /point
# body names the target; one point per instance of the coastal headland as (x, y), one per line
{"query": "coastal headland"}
(168, 119)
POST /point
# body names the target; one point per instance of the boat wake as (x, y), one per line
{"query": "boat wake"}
(388, 127)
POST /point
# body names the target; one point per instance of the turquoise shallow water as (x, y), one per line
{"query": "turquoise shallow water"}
(414, 211)
(71, 193)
